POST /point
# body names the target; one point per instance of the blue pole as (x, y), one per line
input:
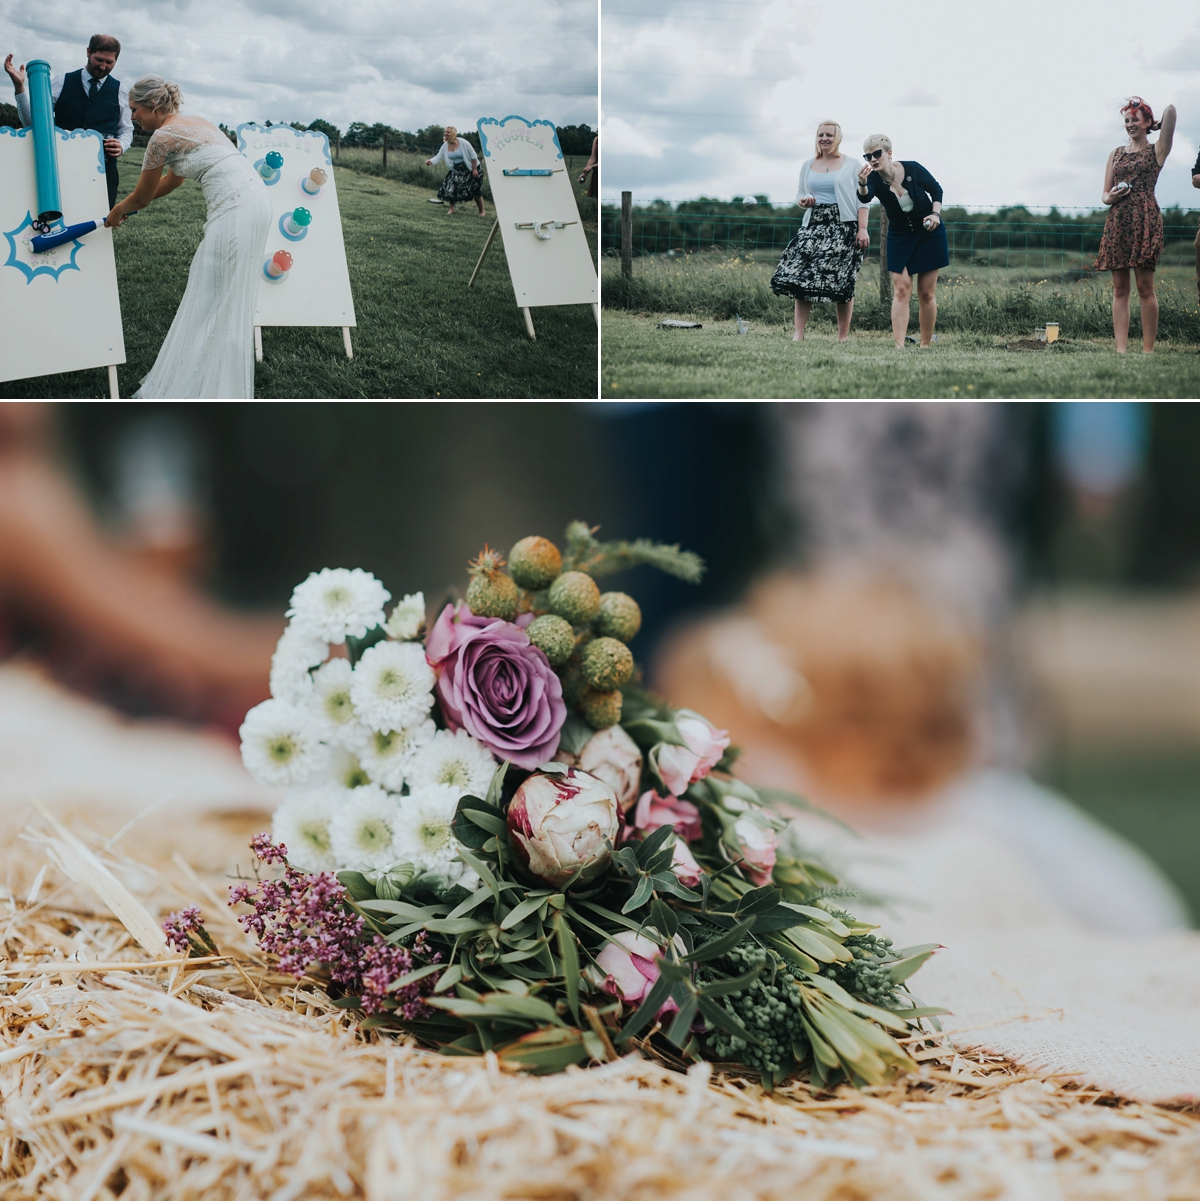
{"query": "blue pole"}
(45, 151)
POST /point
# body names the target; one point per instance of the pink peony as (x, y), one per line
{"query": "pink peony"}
(561, 822)
(628, 962)
(704, 746)
(492, 682)
(757, 847)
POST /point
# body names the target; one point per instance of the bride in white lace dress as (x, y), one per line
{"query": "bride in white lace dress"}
(209, 350)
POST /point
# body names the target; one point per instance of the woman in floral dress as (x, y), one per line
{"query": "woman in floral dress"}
(1133, 232)
(821, 262)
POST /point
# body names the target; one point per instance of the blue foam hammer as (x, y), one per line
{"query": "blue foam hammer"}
(69, 234)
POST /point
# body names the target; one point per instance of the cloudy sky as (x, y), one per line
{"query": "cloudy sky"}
(1005, 103)
(403, 63)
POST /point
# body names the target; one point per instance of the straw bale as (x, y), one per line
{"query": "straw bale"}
(124, 1073)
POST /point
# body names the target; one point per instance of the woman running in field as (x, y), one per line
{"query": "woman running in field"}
(1133, 231)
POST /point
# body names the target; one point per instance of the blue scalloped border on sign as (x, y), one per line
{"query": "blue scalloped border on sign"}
(30, 272)
(300, 133)
(66, 135)
(513, 117)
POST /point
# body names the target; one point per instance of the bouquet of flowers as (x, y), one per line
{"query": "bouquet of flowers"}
(495, 839)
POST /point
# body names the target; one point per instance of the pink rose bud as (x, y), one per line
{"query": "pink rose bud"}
(757, 848)
(561, 822)
(704, 746)
(653, 811)
(684, 866)
(612, 756)
(630, 969)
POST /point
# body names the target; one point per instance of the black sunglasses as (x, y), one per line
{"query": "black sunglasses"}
(873, 155)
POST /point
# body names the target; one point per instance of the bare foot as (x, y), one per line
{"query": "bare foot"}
(797, 338)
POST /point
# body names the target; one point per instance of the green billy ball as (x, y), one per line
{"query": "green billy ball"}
(574, 597)
(620, 616)
(534, 562)
(600, 709)
(553, 637)
(493, 596)
(606, 663)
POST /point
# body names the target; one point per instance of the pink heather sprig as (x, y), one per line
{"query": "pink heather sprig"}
(304, 918)
(179, 926)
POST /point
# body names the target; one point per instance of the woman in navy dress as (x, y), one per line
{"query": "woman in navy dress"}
(916, 243)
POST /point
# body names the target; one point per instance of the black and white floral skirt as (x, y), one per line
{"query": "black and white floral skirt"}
(821, 262)
(460, 184)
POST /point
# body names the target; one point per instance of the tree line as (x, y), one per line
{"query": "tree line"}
(574, 139)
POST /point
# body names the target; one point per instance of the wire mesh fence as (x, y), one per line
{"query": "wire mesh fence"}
(1005, 243)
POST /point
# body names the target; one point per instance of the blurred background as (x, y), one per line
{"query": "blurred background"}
(1064, 537)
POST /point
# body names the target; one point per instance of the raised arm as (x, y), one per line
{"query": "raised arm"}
(1162, 147)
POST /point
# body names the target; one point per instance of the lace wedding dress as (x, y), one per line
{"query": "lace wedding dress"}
(208, 353)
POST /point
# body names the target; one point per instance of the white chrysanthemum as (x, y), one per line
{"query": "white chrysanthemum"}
(392, 686)
(407, 617)
(363, 831)
(296, 653)
(386, 754)
(345, 768)
(337, 602)
(332, 708)
(302, 824)
(424, 834)
(456, 759)
(281, 744)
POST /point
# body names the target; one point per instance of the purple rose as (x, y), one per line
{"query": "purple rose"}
(493, 683)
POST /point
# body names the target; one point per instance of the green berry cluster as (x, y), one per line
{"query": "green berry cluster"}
(770, 1008)
(867, 977)
(580, 630)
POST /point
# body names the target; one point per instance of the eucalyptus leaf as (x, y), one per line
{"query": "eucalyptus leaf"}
(641, 895)
(569, 955)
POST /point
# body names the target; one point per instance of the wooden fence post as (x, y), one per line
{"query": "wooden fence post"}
(385, 153)
(627, 234)
(337, 154)
(885, 280)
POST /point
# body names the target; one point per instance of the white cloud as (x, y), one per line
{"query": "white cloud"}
(404, 64)
(918, 98)
(1011, 105)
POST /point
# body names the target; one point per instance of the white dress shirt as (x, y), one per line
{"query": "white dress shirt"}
(124, 127)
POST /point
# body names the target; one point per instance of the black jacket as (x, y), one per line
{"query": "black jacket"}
(918, 183)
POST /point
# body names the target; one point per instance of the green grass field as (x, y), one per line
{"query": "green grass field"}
(421, 332)
(978, 314)
(642, 361)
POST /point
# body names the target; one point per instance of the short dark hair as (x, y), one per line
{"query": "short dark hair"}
(104, 41)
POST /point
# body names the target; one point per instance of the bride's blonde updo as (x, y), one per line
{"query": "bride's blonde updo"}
(157, 93)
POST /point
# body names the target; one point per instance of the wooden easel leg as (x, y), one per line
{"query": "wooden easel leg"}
(486, 247)
(596, 313)
(258, 343)
(346, 341)
(113, 390)
(529, 324)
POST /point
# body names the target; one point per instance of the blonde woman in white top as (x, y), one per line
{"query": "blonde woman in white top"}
(822, 261)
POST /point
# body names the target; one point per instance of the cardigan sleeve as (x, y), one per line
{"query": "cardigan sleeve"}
(922, 177)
